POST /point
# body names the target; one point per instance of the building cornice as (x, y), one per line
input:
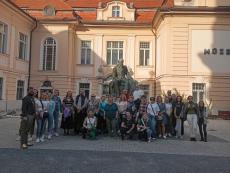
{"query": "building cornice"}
(188, 11)
(58, 21)
(120, 25)
(19, 10)
(197, 9)
(95, 23)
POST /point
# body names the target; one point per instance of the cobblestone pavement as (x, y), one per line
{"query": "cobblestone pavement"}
(73, 154)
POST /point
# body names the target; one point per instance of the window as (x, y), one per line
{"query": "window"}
(114, 52)
(49, 54)
(3, 37)
(85, 52)
(20, 89)
(1, 88)
(145, 89)
(22, 46)
(115, 11)
(198, 92)
(49, 11)
(85, 87)
(144, 53)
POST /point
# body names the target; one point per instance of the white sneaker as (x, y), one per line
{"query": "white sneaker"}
(160, 136)
(37, 140)
(56, 134)
(149, 140)
(49, 136)
(30, 139)
(42, 139)
(164, 137)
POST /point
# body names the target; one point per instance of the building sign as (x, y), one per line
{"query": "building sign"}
(210, 51)
(217, 51)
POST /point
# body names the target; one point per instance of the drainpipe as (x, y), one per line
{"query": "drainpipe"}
(154, 33)
(31, 34)
(155, 69)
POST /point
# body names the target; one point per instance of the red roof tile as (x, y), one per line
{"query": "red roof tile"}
(35, 7)
(169, 3)
(67, 4)
(145, 16)
(87, 16)
(60, 15)
(40, 4)
(94, 3)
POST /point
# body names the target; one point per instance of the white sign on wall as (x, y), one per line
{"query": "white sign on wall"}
(210, 51)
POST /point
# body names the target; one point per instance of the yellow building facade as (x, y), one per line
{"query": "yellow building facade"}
(166, 45)
(15, 27)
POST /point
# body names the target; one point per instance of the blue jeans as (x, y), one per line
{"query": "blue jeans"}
(41, 127)
(56, 120)
(152, 125)
(50, 122)
(149, 133)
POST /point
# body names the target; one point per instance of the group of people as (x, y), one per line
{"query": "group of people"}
(128, 116)
(41, 111)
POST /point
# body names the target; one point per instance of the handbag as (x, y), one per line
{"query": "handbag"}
(45, 115)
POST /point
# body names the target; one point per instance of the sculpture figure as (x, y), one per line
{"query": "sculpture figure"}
(121, 80)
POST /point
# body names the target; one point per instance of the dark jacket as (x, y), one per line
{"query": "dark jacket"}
(194, 105)
(28, 106)
(202, 112)
(82, 100)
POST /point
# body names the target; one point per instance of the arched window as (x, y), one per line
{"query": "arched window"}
(49, 54)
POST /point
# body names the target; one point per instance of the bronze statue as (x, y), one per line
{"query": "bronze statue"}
(121, 80)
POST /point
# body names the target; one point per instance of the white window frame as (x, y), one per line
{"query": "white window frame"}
(44, 45)
(22, 89)
(111, 48)
(145, 50)
(3, 38)
(116, 11)
(199, 90)
(86, 49)
(83, 82)
(24, 42)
